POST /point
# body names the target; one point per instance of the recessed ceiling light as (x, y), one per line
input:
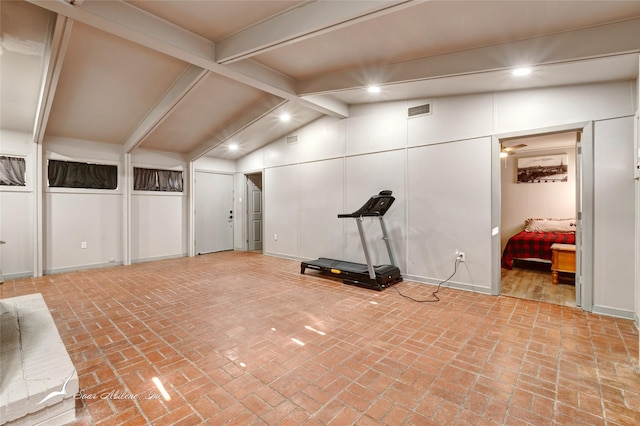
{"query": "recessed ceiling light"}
(285, 116)
(520, 72)
(373, 89)
(233, 147)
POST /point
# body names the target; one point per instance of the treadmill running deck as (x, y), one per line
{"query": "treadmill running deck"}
(355, 273)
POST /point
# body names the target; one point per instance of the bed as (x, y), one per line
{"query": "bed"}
(535, 241)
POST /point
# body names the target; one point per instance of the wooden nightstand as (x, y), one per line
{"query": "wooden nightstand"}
(563, 259)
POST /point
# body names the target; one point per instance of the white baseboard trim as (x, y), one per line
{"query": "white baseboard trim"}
(153, 259)
(281, 255)
(16, 275)
(81, 268)
(449, 284)
(613, 312)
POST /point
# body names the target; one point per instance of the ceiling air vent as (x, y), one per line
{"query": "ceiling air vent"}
(420, 110)
(292, 139)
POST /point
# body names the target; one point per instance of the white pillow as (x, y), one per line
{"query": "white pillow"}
(550, 225)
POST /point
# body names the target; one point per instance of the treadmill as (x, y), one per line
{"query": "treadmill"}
(358, 274)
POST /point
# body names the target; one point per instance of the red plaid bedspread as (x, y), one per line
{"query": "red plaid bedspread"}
(534, 245)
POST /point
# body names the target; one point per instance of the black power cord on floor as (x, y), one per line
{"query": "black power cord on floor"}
(434, 294)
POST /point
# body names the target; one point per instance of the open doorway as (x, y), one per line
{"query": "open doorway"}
(254, 212)
(540, 191)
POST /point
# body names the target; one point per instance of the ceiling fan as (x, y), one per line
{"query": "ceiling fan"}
(510, 150)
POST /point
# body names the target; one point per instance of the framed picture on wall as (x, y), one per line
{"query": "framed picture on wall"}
(543, 169)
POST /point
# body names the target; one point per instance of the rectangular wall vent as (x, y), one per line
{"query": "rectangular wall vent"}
(292, 140)
(420, 110)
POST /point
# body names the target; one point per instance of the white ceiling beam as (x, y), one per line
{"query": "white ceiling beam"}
(187, 82)
(251, 116)
(266, 78)
(55, 53)
(130, 23)
(602, 41)
(139, 26)
(300, 23)
(328, 102)
(326, 105)
(56, 50)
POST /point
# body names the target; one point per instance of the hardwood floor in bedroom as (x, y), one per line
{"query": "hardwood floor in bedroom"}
(533, 282)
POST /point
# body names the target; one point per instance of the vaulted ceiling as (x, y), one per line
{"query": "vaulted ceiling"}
(194, 77)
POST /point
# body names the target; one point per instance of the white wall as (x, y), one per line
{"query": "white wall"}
(439, 166)
(251, 162)
(159, 219)
(71, 218)
(614, 245)
(282, 211)
(320, 140)
(17, 210)
(534, 109)
(320, 230)
(214, 165)
(76, 215)
(453, 118)
(449, 210)
(376, 127)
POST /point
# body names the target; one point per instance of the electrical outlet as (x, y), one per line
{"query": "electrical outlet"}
(83, 245)
(460, 256)
(275, 237)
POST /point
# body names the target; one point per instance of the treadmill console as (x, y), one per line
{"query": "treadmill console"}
(375, 206)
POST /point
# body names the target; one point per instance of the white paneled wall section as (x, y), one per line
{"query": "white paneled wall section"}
(159, 219)
(321, 234)
(450, 209)
(614, 246)
(439, 167)
(282, 211)
(17, 210)
(82, 227)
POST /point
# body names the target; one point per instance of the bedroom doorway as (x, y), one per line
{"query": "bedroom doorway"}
(540, 199)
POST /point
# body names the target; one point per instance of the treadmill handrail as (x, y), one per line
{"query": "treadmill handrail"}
(376, 206)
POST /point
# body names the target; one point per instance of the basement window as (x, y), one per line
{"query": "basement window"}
(71, 174)
(157, 180)
(12, 171)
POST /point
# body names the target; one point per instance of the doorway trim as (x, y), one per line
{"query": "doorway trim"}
(246, 229)
(585, 162)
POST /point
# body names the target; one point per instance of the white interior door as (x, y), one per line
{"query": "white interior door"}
(254, 212)
(213, 212)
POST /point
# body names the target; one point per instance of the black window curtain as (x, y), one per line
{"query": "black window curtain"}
(71, 174)
(157, 180)
(12, 171)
